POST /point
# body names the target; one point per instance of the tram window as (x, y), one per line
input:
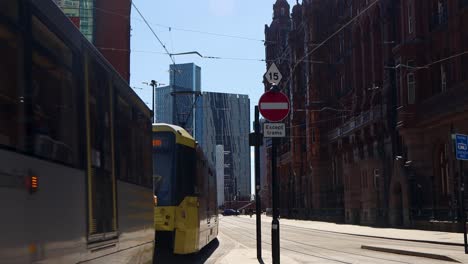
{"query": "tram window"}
(51, 43)
(103, 210)
(9, 9)
(163, 169)
(186, 172)
(11, 100)
(122, 134)
(147, 163)
(54, 99)
(132, 137)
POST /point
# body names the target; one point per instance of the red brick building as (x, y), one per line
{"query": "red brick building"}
(112, 33)
(377, 89)
(432, 85)
(106, 23)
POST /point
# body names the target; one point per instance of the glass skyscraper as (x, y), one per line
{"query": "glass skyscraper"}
(175, 104)
(224, 119)
(81, 12)
(185, 75)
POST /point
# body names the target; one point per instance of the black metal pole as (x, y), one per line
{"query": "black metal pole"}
(258, 204)
(154, 110)
(462, 203)
(175, 117)
(275, 231)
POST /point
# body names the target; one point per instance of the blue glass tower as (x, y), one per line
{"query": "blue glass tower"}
(175, 103)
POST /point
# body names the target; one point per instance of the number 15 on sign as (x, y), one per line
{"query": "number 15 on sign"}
(273, 75)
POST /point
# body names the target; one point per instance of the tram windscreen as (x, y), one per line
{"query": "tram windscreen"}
(163, 167)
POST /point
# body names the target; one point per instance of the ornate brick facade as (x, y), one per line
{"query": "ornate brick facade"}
(377, 89)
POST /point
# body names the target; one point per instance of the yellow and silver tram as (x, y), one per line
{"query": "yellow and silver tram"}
(186, 217)
(75, 147)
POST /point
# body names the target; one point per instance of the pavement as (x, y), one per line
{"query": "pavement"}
(443, 238)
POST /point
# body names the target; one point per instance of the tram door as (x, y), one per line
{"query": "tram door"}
(102, 218)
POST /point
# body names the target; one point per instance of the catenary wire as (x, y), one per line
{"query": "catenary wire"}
(154, 33)
(172, 27)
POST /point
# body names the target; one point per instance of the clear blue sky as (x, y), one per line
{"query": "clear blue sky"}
(245, 18)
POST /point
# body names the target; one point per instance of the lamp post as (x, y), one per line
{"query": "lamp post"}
(153, 85)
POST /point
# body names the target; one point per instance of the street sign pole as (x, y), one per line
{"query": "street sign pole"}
(463, 216)
(461, 153)
(274, 106)
(275, 227)
(258, 204)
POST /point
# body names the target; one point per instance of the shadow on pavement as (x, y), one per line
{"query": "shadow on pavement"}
(163, 256)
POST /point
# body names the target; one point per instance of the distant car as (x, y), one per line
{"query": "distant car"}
(230, 212)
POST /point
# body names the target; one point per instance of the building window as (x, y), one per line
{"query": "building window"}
(342, 43)
(440, 12)
(444, 170)
(410, 18)
(443, 78)
(283, 11)
(342, 83)
(376, 178)
(398, 85)
(411, 82)
(364, 179)
(334, 172)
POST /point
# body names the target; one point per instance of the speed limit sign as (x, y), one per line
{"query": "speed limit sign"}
(273, 75)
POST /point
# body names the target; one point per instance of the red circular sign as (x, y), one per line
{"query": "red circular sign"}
(274, 106)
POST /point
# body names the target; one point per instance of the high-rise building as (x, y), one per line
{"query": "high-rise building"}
(163, 105)
(185, 75)
(224, 119)
(175, 104)
(105, 23)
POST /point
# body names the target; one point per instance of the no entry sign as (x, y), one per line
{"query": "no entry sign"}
(274, 106)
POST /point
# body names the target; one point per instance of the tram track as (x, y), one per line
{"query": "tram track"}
(302, 245)
(288, 249)
(358, 237)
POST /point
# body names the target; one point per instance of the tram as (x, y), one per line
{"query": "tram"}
(186, 217)
(75, 147)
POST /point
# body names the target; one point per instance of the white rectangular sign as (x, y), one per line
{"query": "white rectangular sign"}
(271, 130)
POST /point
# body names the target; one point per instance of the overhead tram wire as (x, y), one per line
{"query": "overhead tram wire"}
(175, 28)
(164, 53)
(154, 33)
